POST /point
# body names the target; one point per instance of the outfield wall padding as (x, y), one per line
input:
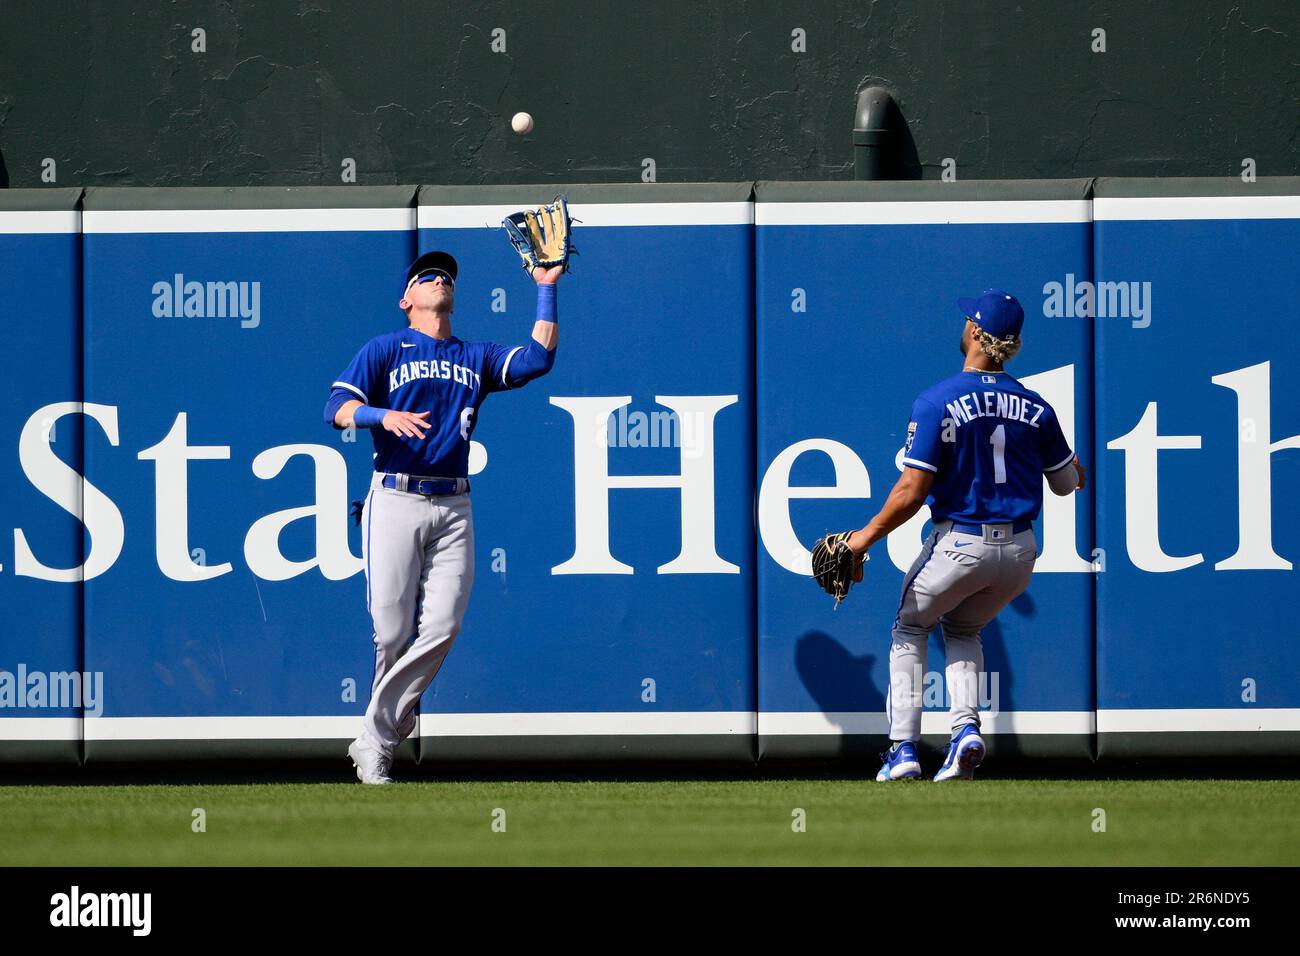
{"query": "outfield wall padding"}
(613, 613)
(736, 367)
(41, 697)
(856, 314)
(1198, 433)
(233, 611)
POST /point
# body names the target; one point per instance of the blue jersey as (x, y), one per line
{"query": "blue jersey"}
(413, 372)
(988, 440)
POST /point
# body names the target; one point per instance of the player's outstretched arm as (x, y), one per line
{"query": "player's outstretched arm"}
(538, 357)
(546, 330)
(906, 498)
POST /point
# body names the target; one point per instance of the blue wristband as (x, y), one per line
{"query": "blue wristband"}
(546, 303)
(368, 417)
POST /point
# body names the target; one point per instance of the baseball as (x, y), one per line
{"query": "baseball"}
(522, 123)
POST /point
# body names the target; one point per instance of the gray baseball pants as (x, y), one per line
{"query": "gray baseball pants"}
(419, 557)
(960, 582)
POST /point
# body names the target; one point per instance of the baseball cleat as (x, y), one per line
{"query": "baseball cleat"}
(900, 763)
(372, 765)
(965, 753)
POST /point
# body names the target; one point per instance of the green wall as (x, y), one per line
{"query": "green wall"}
(286, 91)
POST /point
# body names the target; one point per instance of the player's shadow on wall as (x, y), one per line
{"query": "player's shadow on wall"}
(839, 683)
(4, 171)
(995, 651)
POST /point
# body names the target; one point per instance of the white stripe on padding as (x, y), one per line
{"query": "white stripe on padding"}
(814, 723)
(921, 213)
(598, 214)
(681, 723)
(40, 728)
(248, 220)
(932, 722)
(1197, 207)
(40, 221)
(506, 368)
(437, 725)
(1234, 719)
(221, 728)
(352, 388)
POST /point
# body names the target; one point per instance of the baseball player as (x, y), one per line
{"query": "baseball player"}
(978, 446)
(419, 391)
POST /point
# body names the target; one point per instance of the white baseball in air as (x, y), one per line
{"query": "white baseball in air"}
(522, 123)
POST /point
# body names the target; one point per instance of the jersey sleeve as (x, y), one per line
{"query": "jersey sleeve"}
(924, 446)
(1053, 449)
(496, 365)
(365, 377)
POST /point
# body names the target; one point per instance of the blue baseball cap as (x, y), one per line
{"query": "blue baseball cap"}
(432, 262)
(996, 312)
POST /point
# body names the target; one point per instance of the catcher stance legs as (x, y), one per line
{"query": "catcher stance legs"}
(419, 561)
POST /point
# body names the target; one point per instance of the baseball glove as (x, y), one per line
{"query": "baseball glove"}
(834, 565)
(542, 237)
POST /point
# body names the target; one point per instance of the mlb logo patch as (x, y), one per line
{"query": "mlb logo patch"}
(988, 380)
(998, 534)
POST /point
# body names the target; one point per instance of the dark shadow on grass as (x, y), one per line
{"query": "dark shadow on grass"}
(1008, 768)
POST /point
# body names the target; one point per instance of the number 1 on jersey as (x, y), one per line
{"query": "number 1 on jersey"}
(999, 442)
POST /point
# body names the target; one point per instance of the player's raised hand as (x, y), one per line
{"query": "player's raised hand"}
(544, 276)
(407, 424)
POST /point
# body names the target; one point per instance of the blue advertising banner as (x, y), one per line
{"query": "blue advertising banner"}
(224, 604)
(734, 378)
(43, 684)
(1198, 427)
(857, 314)
(613, 609)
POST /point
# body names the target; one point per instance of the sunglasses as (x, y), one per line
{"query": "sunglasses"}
(431, 274)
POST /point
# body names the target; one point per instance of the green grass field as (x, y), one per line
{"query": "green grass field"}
(849, 822)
